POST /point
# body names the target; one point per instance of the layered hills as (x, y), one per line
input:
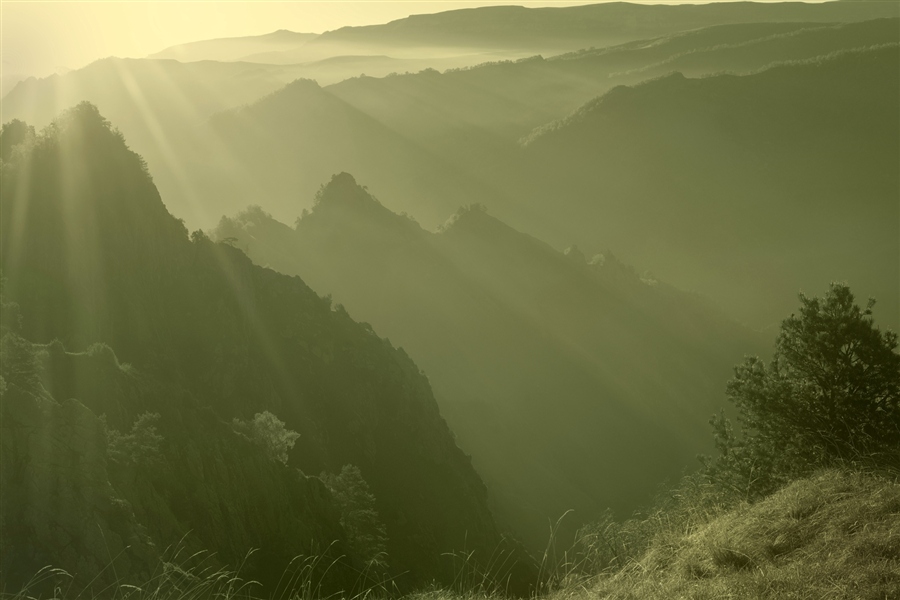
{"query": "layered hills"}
(430, 142)
(237, 48)
(742, 188)
(171, 401)
(512, 30)
(192, 331)
(574, 383)
(703, 180)
(605, 24)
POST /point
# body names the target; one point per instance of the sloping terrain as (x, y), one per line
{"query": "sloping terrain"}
(568, 28)
(741, 188)
(236, 48)
(573, 385)
(90, 255)
(508, 99)
(504, 32)
(829, 536)
(427, 141)
(68, 502)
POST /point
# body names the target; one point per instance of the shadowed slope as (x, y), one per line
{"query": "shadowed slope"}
(292, 140)
(90, 254)
(573, 385)
(741, 188)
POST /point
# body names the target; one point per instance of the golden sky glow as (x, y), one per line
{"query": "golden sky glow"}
(40, 38)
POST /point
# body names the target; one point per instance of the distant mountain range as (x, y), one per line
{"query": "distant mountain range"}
(516, 29)
(556, 29)
(236, 49)
(430, 142)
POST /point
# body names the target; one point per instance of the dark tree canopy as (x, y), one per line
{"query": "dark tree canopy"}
(831, 393)
(359, 517)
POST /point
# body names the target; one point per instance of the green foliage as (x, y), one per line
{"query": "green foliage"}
(831, 393)
(105, 262)
(139, 447)
(12, 134)
(269, 433)
(366, 533)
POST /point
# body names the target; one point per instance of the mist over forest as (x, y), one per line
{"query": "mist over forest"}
(556, 303)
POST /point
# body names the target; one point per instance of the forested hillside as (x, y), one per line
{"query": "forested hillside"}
(91, 255)
(462, 305)
(725, 182)
(550, 368)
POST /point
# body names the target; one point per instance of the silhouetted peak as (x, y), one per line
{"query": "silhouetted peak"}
(344, 191)
(14, 133)
(343, 179)
(301, 86)
(276, 106)
(342, 202)
(108, 191)
(88, 143)
(83, 116)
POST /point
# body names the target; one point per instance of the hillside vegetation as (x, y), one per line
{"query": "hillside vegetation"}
(90, 255)
(834, 535)
(740, 187)
(527, 359)
(548, 369)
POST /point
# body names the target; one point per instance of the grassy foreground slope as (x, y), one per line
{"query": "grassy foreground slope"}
(833, 535)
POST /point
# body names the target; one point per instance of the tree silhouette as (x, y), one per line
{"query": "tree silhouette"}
(831, 393)
(366, 532)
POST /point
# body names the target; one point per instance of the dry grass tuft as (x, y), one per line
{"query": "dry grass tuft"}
(828, 537)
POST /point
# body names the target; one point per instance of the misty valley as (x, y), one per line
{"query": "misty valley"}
(560, 303)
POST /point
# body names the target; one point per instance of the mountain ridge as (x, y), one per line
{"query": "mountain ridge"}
(517, 338)
(238, 338)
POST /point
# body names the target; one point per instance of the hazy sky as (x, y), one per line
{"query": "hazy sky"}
(39, 38)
